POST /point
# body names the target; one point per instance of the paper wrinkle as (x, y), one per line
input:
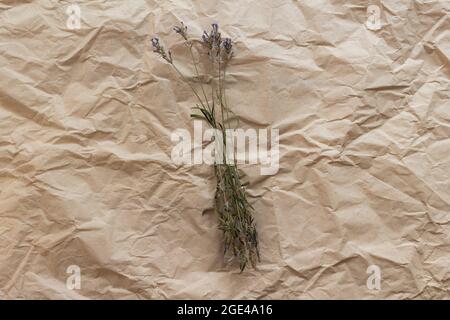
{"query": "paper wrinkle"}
(87, 179)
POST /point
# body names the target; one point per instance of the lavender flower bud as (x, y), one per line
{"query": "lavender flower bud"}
(160, 50)
(227, 45)
(155, 43)
(181, 30)
(215, 27)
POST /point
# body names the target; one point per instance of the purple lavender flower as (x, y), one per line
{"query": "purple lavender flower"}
(215, 34)
(215, 28)
(181, 30)
(207, 40)
(205, 37)
(227, 45)
(155, 43)
(217, 48)
(159, 49)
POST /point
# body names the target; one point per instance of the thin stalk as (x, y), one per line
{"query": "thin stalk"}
(198, 74)
(190, 85)
(224, 134)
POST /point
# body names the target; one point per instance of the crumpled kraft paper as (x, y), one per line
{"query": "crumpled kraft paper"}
(87, 180)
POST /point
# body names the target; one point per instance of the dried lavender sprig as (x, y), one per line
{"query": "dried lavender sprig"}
(159, 49)
(227, 45)
(181, 30)
(231, 204)
(218, 49)
(213, 42)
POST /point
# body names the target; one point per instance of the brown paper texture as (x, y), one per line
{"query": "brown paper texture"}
(87, 179)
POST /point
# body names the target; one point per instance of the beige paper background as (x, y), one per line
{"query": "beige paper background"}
(86, 177)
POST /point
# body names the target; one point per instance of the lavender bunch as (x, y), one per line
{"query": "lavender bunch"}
(231, 205)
